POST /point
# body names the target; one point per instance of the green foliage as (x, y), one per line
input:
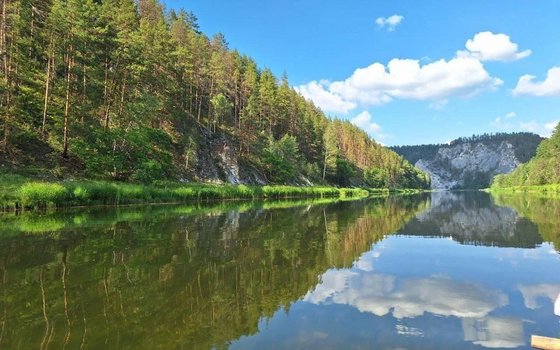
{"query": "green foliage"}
(344, 172)
(281, 158)
(32, 194)
(376, 177)
(40, 194)
(543, 169)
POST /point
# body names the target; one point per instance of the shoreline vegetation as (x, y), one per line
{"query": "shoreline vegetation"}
(22, 193)
(547, 190)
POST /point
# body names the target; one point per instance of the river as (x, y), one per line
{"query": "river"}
(446, 270)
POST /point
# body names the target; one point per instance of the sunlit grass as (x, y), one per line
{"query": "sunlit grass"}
(20, 192)
(552, 190)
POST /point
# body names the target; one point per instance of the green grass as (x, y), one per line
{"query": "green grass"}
(24, 193)
(551, 190)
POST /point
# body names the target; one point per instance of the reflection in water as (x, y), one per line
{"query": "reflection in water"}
(412, 297)
(494, 332)
(280, 275)
(531, 294)
(544, 212)
(174, 276)
(472, 218)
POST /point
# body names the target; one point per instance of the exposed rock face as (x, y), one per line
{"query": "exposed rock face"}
(218, 162)
(469, 165)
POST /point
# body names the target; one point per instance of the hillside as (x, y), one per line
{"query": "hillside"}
(542, 169)
(469, 163)
(123, 90)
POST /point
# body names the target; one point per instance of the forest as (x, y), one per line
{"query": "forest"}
(542, 169)
(125, 90)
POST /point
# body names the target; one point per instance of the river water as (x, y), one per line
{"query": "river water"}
(446, 270)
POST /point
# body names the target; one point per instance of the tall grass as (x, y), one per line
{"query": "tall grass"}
(27, 195)
(551, 190)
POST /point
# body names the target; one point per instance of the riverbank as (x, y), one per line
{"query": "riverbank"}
(18, 192)
(553, 189)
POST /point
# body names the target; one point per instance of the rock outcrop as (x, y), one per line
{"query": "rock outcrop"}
(218, 162)
(469, 165)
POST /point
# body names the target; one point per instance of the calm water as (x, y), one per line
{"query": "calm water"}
(439, 271)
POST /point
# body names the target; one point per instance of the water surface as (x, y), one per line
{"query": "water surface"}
(440, 271)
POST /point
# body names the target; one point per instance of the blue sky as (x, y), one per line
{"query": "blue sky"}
(408, 72)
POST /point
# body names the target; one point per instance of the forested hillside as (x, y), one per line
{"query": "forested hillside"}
(543, 169)
(122, 89)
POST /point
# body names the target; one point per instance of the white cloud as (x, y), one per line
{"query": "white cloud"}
(390, 22)
(543, 129)
(326, 100)
(365, 122)
(549, 87)
(499, 121)
(487, 46)
(506, 123)
(437, 81)
(404, 79)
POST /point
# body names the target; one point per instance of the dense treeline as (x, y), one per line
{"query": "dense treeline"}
(417, 152)
(122, 89)
(524, 145)
(543, 169)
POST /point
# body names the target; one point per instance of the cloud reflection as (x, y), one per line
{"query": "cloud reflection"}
(532, 294)
(410, 297)
(380, 294)
(494, 332)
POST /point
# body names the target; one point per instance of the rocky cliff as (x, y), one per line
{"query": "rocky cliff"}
(471, 162)
(469, 165)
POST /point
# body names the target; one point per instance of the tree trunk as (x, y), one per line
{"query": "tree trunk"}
(50, 65)
(4, 57)
(67, 103)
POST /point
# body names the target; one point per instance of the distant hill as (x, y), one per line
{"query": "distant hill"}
(471, 162)
(542, 169)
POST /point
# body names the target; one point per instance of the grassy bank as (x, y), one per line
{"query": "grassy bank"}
(24, 193)
(552, 190)
(56, 220)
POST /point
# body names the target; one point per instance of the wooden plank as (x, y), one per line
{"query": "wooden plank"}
(545, 343)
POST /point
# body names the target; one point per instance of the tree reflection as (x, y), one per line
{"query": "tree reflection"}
(178, 277)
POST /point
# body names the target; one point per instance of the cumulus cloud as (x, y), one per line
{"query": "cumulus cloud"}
(324, 99)
(487, 46)
(463, 75)
(390, 22)
(403, 79)
(543, 129)
(507, 123)
(526, 85)
(365, 122)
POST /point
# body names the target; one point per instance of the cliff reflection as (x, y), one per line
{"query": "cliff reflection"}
(472, 218)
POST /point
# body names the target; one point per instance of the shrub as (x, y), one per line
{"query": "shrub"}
(42, 194)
